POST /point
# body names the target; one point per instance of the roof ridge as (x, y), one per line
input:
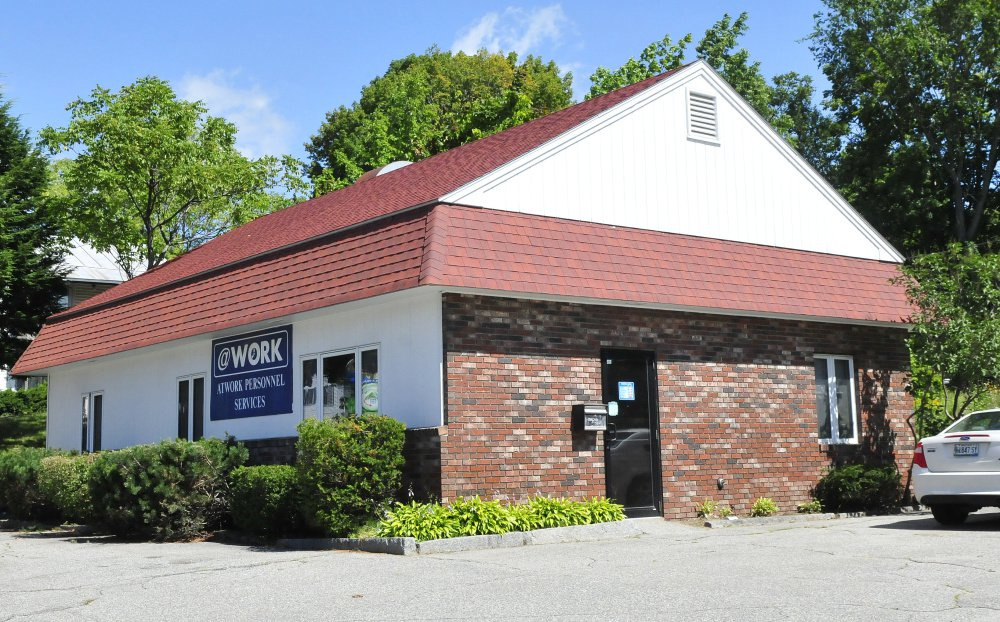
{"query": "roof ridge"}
(420, 183)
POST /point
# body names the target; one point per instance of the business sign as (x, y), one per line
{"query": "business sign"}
(252, 374)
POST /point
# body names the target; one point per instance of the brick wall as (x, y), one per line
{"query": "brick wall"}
(736, 400)
(271, 450)
(422, 468)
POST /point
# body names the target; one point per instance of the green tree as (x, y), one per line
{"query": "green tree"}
(31, 249)
(918, 82)
(786, 104)
(154, 175)
(428, 103)
(955, 294)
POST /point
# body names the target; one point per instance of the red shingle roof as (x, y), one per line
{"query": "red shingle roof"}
(417, 184)
(556, 257)
(388, 233)
(463, 247)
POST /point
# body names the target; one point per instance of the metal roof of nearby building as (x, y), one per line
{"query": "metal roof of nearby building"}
(87, 264)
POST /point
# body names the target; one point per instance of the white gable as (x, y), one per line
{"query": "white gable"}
(639, 165)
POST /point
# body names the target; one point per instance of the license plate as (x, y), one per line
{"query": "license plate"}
(967, 449)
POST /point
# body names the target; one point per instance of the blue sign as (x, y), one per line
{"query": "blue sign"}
(626, 391)
(252, 374)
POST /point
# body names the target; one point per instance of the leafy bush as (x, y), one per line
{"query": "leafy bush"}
(265, 499)
(858, 487)
(19, 493)
(22, 418)
(475, 516)
(811, 507)
(63, 483)
(725, 511)
(764, 507)
(173, 490)
(349, 470)
(707, 508)
(470, 517)
(554, 512)
(604, 510)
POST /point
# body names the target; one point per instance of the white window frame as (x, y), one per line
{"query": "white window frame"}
(318, 358)
(832, 402)
(87, 404)
(204, 401)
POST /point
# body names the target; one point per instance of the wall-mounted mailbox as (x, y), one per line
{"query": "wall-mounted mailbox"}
(590, 417)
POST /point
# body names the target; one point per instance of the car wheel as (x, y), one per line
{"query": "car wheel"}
(950, 514)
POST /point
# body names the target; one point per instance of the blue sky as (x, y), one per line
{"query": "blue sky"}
(275, 68)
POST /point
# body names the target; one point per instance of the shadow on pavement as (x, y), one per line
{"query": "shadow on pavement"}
(978, 521)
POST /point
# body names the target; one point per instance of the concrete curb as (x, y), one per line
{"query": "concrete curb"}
(628, 528)
(717, 523)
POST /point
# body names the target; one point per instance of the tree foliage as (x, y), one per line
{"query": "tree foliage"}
(786, 103)
(428, 103)
(154, 175)
(918, 82)
(31, 248)
(955, 294)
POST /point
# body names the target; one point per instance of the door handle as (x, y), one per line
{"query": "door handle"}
(612, 432)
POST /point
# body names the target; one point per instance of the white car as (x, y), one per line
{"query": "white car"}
(958, 470)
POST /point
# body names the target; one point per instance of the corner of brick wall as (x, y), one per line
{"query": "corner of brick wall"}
(422, 467)
(736, 400)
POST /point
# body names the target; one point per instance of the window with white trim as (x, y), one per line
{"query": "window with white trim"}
(191, 407)
(340, 383)
(835, 399)
(91, 419)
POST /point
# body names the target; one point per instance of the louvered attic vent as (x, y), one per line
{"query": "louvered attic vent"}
(703, 118)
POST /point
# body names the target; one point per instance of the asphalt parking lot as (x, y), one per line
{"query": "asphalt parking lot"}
(874, 568)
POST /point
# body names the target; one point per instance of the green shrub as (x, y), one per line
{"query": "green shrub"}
(554, 512)
(764, 507)
(63, 483)
(423, 521)
(725, 511)
(265, 499)
(173, 490)
(707, 508)
(811, 507)
(19, 493)
(859, 488)
(604, 510)
(22, 418)
(473, 517)
(349, 470)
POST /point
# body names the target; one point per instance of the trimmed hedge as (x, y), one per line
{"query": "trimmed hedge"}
(475, 517)
(860, 488)
(22, 418)
(349, 470)
(174, 490)
(265, 499)
(19, 492)
(63, 484)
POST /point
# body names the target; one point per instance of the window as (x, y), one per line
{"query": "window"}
(703, 118)
(91, 417)
(334, 383)
(835, 399)
(191, 407)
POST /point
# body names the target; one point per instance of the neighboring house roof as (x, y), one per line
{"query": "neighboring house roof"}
(88, 265)
(392, 232)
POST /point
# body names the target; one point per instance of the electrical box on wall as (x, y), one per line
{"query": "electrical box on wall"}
(590, 417)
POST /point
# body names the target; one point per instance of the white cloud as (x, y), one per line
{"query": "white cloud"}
(262, 130)
(515, 30)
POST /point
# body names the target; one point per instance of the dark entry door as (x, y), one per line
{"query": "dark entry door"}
(631, 444)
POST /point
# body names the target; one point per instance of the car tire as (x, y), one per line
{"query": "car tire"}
(950, 514)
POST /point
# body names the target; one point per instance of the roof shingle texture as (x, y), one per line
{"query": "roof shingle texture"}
(504, 252)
